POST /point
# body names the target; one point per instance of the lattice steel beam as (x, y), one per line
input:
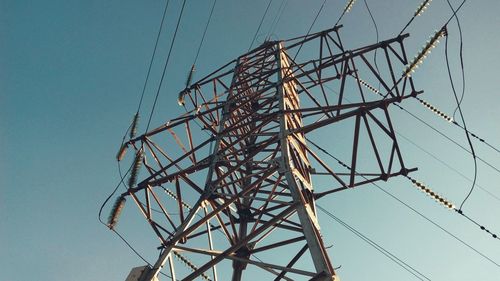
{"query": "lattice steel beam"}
(243, 184)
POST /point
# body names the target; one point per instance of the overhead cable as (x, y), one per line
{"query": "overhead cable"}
(379, 248)
(260, 25)
(420, 10)
(452, 84)
(447, 165)
(346, 10)
(277, 18)
(407, 206)
(310, 28)
(166, 65)
(192, 70)
(374, 90)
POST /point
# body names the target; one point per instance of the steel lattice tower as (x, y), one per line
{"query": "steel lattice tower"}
(228, 185)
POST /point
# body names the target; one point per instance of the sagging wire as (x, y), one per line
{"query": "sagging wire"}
(119, 204)
(463, 122)
(406, 205)
(260, 25)
(460, 55)
(122, 178)
(375, 245)
(477, 137)
(112, 227)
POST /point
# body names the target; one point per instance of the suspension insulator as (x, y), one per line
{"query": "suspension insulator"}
(116, 211)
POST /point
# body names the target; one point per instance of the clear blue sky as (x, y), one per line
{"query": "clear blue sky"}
(71, 73)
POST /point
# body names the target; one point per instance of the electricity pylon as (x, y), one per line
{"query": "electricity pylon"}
(228, 185)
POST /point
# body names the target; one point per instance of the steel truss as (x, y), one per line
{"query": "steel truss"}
(229, 184)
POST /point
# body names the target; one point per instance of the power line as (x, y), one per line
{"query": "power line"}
(133, 126)
(445, 136)
(153, 55)
(427, 124)
(421, 8)
(438, 112)
(436, 225)
(379, 248)
(449, 119)
(191, 72)
(408, 206)
(166, 65)
(204, 32)
(260, 24)
(446, 164)
(460, 55)
(455, 12)
(377, 38)
(346, 10)
(483, 228)
(310, 28)
(124, 240)
(277, 18)
(463, 122)
(447, 203)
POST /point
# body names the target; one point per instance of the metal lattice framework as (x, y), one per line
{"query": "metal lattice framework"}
(229, 184)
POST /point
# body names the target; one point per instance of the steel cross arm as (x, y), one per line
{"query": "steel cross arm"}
(319, 195)
(149, 181)
(323, 109)
(359, 111)
(303, 39)
(344, 56)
